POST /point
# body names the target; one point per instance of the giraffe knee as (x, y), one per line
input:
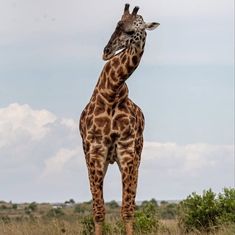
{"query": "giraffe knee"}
(127, 212)
(99, 217)
(98, 211)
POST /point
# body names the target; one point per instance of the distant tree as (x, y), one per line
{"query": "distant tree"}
(14, 206)
(164, 202)
(72, 201)
(152, 202)
(33, 206)
(113, 204)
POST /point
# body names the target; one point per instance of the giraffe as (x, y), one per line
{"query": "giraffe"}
(111, 125)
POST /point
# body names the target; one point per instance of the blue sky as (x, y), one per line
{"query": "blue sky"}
(51, 57)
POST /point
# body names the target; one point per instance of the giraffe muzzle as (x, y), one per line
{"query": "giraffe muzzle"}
(108, 53)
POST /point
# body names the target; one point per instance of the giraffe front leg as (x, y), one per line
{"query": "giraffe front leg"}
(128, 163)
(96, 169)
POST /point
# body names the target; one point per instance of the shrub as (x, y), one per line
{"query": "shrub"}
(168, 210)
(146, 218)
(5, 219)
(88, 226)
(107, 229)
(79, 209)
(33, 206)
(119, 227)
(55, 212)
(27, 210)
(3, 207)
(227, 206)
(199, 212)
(14, 206)
(207, 212)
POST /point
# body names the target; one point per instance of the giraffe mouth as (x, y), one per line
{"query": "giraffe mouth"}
(119, 51)
(111, 55)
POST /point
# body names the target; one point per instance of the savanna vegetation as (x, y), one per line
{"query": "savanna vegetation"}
(197, 214)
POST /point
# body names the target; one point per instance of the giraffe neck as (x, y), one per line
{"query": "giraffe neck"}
(111, 85)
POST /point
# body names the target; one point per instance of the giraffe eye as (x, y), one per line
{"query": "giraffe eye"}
(130, 32)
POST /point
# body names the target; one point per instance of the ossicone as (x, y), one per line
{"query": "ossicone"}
(135, 10)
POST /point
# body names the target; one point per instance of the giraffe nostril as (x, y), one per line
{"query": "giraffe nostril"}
(107, 50)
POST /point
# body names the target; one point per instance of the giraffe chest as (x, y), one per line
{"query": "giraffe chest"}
(123, 120)
(114, 120)
(123, 124)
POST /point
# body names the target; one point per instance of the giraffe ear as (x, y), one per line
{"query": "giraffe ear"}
(151, 26)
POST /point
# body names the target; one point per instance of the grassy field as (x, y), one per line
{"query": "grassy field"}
(61, 227)
(74, 219)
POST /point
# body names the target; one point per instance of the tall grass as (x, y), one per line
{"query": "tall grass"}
(63, 227)
(41, 227)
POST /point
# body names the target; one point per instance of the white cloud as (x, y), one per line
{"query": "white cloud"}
(43, 160)
(20, 120)
(174, 169)
(36, 150)
(190, 158)
(70, 123)
(56, 164)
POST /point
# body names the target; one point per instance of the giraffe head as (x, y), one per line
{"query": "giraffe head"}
(129, 32)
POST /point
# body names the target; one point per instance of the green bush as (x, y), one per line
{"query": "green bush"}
(207, 212)
(168, 210)
(33, 206)
(199, 212)
(227, 206)
(88, 226)
(3, 207)
(14, 206)
(107, 229)
(79, 209)
(119, 227)
(55, 212)
(146, 218)
(5, 219)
